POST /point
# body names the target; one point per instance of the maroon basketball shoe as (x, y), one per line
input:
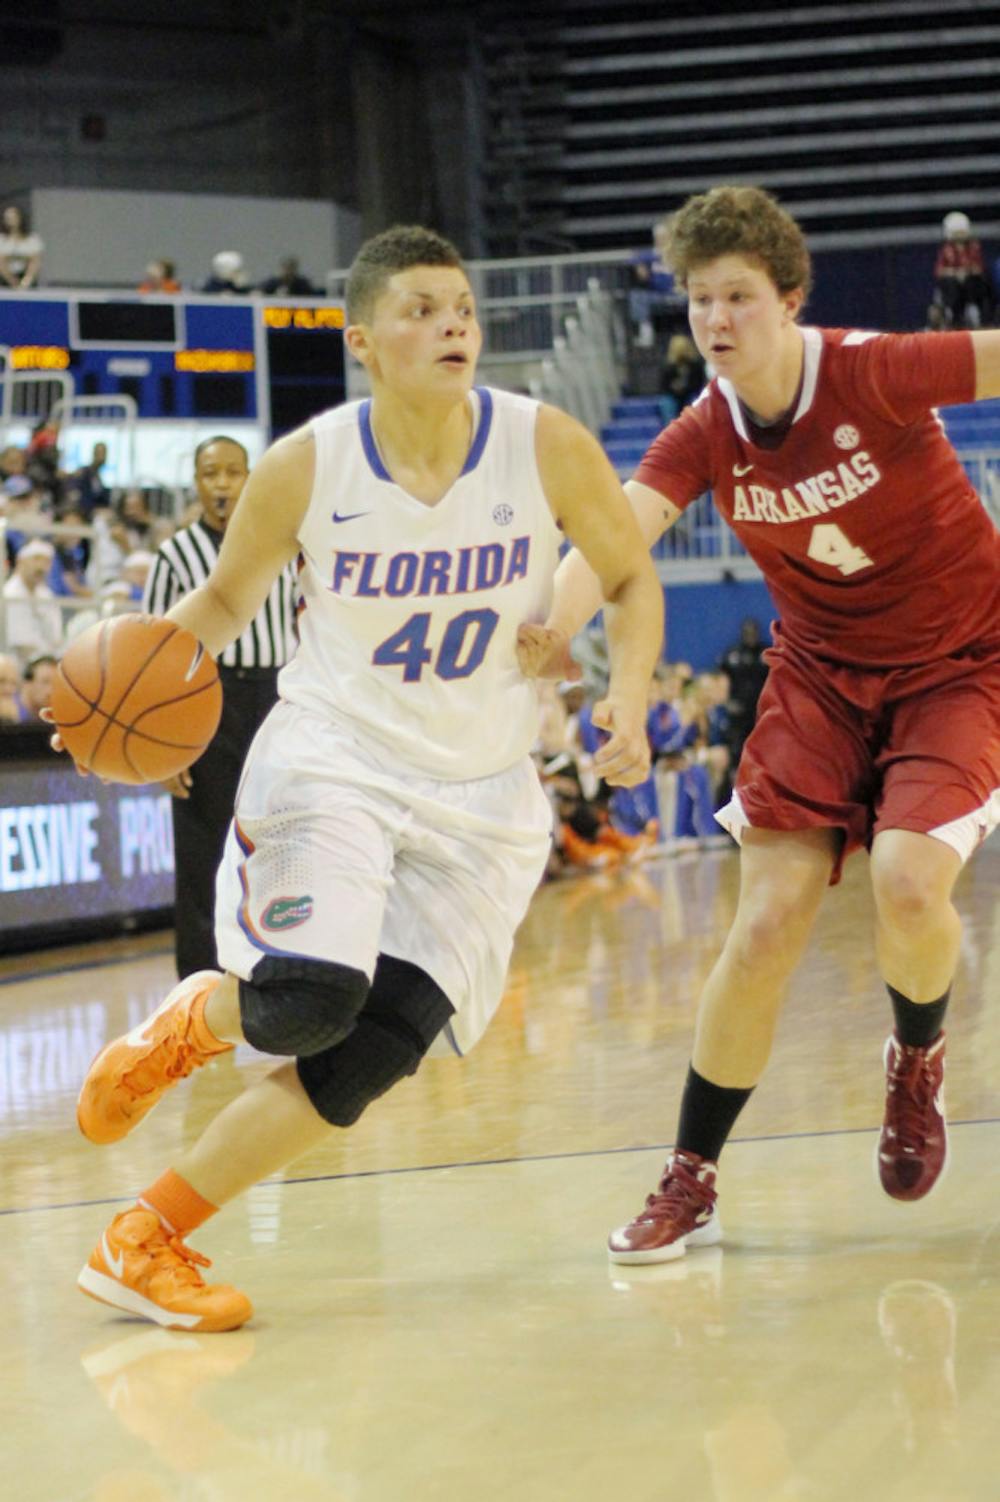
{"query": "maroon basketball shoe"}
(680, 1214)
(913, 1147)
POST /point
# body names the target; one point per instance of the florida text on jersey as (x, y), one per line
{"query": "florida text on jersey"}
(410, 611)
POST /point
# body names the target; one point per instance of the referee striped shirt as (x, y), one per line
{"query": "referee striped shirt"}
(184, 561)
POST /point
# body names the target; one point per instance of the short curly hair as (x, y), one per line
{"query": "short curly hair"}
(742, 221)
(395, 249)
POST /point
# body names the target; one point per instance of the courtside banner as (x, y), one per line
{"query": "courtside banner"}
(73, 848)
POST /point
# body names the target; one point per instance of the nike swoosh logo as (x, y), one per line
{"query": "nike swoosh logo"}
(352, 516)
(116, 1267)
(742, 469)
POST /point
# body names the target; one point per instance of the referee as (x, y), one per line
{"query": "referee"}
(203, 798)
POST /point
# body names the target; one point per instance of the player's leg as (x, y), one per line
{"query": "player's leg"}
(783, 877)
(799, 806)
(917, 937)
(286, 1001)
(141, 1263)
(299, 1104)
(940, 797)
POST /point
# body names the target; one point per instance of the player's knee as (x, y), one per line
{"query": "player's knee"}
(298, 1007)
(770, 936)
(390, 1040)
(905, 896)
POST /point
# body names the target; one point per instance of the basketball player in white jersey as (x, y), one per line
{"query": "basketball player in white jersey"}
(390, 829)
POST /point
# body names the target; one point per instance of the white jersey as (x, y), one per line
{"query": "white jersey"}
(411, 611)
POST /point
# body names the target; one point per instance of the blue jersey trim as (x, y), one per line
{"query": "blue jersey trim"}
(482, 432)
(368, 443)
(450, 1035)
(473, 457)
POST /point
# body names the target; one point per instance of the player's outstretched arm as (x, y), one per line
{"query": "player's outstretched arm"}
(589, 504)
(543, 651)
(986, 343)
(261, 537)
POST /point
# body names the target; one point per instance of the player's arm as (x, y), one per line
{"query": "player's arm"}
(261, 537)
(543, 651)
(986, 344)
(588, 503)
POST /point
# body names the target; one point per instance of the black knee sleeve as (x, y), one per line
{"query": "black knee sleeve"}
(403, 1015)
(300, 1006)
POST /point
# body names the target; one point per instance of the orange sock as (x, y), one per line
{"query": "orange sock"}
(180, 1207)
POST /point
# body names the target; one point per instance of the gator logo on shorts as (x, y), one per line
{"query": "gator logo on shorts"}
(287, 912)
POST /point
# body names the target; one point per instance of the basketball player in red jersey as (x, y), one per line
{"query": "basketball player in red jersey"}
(879, 725)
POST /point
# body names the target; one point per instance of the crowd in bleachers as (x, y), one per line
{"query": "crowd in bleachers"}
(22, 252)
(696, 725)
(75, 550)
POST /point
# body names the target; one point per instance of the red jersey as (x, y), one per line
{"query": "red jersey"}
(874, 544)
(960, 257)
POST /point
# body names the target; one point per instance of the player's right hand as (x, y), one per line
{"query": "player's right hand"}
(178, 786)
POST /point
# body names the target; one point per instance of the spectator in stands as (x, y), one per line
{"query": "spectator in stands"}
(961, 281)
(87, 483)
(68, 575)
(43, 459)
(228, 275)
(629, 823)
(135, 572)
(109, 545)
(651, 289)
(746, 670)
(36, 690)
(23, 513)
(13, 461)
(138, 528)
(10, 686)
(20, 250)
(34, 620)
(160, 277)
(935, 319)
(681, 377)
(289, 282)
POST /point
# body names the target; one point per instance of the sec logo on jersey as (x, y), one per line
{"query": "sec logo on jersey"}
(846, 437)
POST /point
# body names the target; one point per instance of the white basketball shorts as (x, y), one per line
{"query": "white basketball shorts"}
(335, 855)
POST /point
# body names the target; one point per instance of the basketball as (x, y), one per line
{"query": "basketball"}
(136, 699)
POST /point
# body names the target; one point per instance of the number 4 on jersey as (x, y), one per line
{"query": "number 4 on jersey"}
(829, 545)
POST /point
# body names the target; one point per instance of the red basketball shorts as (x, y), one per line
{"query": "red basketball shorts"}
(864, 750)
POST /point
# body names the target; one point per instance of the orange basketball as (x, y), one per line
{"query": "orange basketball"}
(136, 698)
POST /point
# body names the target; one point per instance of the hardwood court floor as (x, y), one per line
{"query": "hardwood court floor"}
(436, 1320)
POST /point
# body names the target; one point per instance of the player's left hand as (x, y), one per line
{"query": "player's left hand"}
(58, 744)
(544, 653)
(624, 759)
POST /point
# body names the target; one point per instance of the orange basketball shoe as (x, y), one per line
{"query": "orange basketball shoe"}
(680, 1214)
(140, 1267)
(128, 1076)
(912, 1150)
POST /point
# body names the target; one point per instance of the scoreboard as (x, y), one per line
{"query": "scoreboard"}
(272, 361)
